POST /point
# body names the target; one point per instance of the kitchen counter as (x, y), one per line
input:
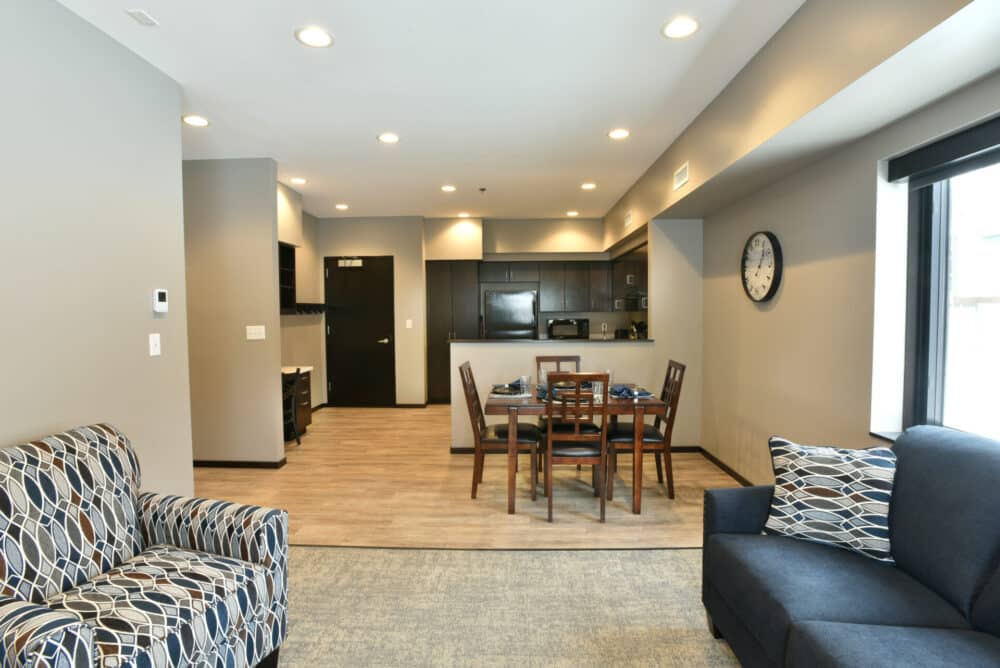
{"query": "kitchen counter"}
(561, 341)
(291, 369)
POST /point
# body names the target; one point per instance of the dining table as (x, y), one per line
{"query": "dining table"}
(532, 405)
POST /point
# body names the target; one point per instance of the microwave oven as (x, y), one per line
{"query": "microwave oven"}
(569, 328)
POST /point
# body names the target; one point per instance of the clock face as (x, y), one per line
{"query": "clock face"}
(761, 270)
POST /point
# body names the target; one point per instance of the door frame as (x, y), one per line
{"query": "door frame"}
(327, 263)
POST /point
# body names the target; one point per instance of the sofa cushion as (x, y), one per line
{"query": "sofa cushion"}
(67, 510)
(772, 581)
(943, 522)
(833, 645)
(174, 607)
(986, 610)
(832, 495)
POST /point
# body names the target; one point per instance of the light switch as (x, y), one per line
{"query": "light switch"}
(409, 324)
(256, 333)
(154, 345)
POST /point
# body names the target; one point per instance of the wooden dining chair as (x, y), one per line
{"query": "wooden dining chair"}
(622, 434)
(572, 436)
(289, 400)
(561, 363)
(492, 439)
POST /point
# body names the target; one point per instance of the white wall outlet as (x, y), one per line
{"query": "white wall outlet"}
(409, 324)
(256, 333)
(154, 345)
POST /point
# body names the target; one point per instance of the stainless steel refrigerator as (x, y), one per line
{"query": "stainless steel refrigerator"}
(510, 315)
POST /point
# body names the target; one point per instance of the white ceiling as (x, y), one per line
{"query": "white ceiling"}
(517, 96)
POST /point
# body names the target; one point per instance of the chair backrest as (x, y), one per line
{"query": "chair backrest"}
(671, 396)
(290, 384)
(560, 362)
(576, 406)
(472, 401)
(69, 508)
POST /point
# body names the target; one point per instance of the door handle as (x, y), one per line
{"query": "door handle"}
(385, 340)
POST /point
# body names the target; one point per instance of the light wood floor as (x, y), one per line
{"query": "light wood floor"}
(384, 477)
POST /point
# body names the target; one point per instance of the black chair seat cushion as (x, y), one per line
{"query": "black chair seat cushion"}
(497, 433)
(624, 432)
(576, 449)
(772, 581)
(585, 427)
(831, 644)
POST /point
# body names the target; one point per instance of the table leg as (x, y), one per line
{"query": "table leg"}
(638, 424)
(511, 457)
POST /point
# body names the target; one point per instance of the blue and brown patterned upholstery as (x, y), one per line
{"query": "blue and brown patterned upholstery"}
(96, 574)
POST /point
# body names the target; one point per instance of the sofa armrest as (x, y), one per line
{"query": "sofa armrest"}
(34, 635)
(250, 533)
(737, 510)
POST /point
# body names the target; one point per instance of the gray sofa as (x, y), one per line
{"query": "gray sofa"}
(786, 602)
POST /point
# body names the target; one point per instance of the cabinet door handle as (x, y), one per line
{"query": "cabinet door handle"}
(383, 341)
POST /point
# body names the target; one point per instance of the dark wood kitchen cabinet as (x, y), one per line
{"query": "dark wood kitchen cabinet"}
(577, 286)
(564, 287)
(493, 272)
(600, 287)
(452, 313)
(523, 272)
(302, 402)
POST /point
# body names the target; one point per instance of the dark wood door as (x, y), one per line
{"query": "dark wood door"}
(465, 299)
(552, 287)
(577, 286)
(360, 346)
(600, 286)
(439, 331)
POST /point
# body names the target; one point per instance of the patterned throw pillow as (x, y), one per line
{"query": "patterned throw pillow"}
(833, 496)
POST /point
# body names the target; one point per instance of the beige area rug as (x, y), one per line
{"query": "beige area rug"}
(378, 607)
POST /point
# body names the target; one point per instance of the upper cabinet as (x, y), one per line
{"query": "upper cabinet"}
(599, 275)
(494, 272)
(629, 280)
(286, 278)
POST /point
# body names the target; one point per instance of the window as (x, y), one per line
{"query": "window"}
(953, 303)
(971, 392)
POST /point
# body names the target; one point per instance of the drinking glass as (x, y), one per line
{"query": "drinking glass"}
(598, 389)
(525, 384)
(543, 379)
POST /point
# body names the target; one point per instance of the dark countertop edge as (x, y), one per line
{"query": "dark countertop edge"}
(888, 436)
(552, 341)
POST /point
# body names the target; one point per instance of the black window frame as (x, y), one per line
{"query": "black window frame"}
(928, 170)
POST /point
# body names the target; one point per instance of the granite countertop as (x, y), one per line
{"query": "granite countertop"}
(563, 341)
(291, 369)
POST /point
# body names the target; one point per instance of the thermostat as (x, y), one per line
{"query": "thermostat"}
(160, 301)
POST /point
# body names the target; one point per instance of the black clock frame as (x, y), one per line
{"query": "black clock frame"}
(778, 266)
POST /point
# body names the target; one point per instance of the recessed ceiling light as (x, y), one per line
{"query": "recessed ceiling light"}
(314, 36)
(588, 186)
(196, 121)
(448, 188)
(342, 207)
(463, 215)
(680, 27)
(389, 138)
(572, 214)
(619, 133)
(298, 181)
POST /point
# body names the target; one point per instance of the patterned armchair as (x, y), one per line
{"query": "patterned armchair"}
(96, 574)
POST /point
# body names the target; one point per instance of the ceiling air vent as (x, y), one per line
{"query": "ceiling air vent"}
(142, 17)
(681, 176)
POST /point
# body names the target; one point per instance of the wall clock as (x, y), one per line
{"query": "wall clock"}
(761, 267)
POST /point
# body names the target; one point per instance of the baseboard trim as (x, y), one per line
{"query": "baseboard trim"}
(424, 405)
(726, 468)
(319, 407)
(238, 464)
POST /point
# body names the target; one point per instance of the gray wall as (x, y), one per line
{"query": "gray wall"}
(824, 47)
(91, 224)
(231, 238)
(402, 238)
(801, 365)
